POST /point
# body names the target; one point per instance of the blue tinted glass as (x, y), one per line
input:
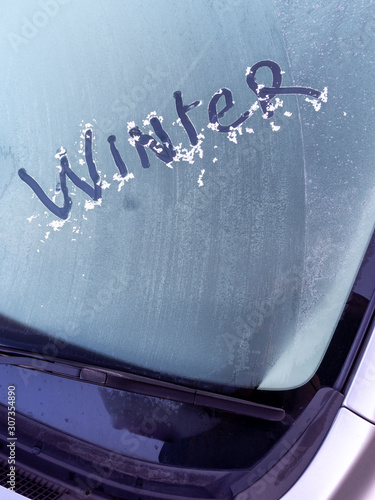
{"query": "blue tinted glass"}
(186, 187)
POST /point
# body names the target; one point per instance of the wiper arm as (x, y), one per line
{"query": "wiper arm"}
(139, 384)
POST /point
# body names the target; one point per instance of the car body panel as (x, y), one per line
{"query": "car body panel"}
(360, 395)
(343, 469)
(348, 453)
(6, 494)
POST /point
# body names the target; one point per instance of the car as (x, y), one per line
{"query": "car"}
(9, 494)
(187, 250)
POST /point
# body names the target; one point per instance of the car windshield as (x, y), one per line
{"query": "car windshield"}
(186, 188)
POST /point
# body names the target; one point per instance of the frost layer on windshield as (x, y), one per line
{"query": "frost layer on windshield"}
(167, 201)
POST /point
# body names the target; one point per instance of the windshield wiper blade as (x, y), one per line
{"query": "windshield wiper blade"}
(130, 382)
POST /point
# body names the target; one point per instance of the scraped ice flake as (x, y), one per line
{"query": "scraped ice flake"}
(288, 113)
(249, 130)
(200, 182)
(184, 154)
(232, 136)
(105, 185)
(317, 103)
(214, 160)
(122, 180)
(60, 152)
(213, 126)
(149, 117)
(57, 224)
(91, 204)
(130, 125)
(324, 95)
(253, 108)
(277, 103)
(32, 217)
(46, 235)
(275, 128)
